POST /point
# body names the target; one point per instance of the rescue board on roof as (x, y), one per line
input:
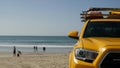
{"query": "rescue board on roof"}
(115, 12)
(94, 15)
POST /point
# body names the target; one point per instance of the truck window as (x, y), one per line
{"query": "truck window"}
(102, 29)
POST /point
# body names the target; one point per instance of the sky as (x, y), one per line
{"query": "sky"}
(45, 17)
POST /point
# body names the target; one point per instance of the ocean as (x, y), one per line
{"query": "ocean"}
(26, 43)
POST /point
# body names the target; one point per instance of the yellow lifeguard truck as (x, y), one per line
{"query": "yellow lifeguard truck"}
(98, 44)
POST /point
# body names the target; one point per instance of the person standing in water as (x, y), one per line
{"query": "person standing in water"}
(44, 49)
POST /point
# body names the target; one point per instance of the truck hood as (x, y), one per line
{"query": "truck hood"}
(97, 43)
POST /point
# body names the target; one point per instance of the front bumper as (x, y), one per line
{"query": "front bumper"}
(109, 57)
(98, 62)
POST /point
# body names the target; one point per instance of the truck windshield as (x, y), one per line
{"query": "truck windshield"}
(102, 29)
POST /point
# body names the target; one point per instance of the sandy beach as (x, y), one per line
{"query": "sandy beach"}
(34, 60)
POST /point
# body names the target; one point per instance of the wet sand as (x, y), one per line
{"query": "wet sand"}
(34, 60)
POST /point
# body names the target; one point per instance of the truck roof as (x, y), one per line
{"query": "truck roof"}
(117, 20)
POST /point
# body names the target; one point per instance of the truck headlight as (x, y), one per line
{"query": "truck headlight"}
(86, 55)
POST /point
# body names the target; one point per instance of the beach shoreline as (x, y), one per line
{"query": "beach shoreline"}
(34, 60)
(49, 49)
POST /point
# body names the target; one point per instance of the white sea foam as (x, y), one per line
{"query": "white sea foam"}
(61, 46)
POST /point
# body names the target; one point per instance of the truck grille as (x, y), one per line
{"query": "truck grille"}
(111, 60)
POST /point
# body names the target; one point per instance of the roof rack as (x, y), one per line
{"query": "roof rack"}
(105, 9)
(85, 16)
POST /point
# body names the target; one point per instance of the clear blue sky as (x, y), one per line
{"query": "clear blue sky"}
(45, 17)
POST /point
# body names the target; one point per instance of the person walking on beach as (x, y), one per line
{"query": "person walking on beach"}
(34, 48)
(14, 51)
(44, 49)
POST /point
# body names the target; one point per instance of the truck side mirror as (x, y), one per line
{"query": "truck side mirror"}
(73, 34)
